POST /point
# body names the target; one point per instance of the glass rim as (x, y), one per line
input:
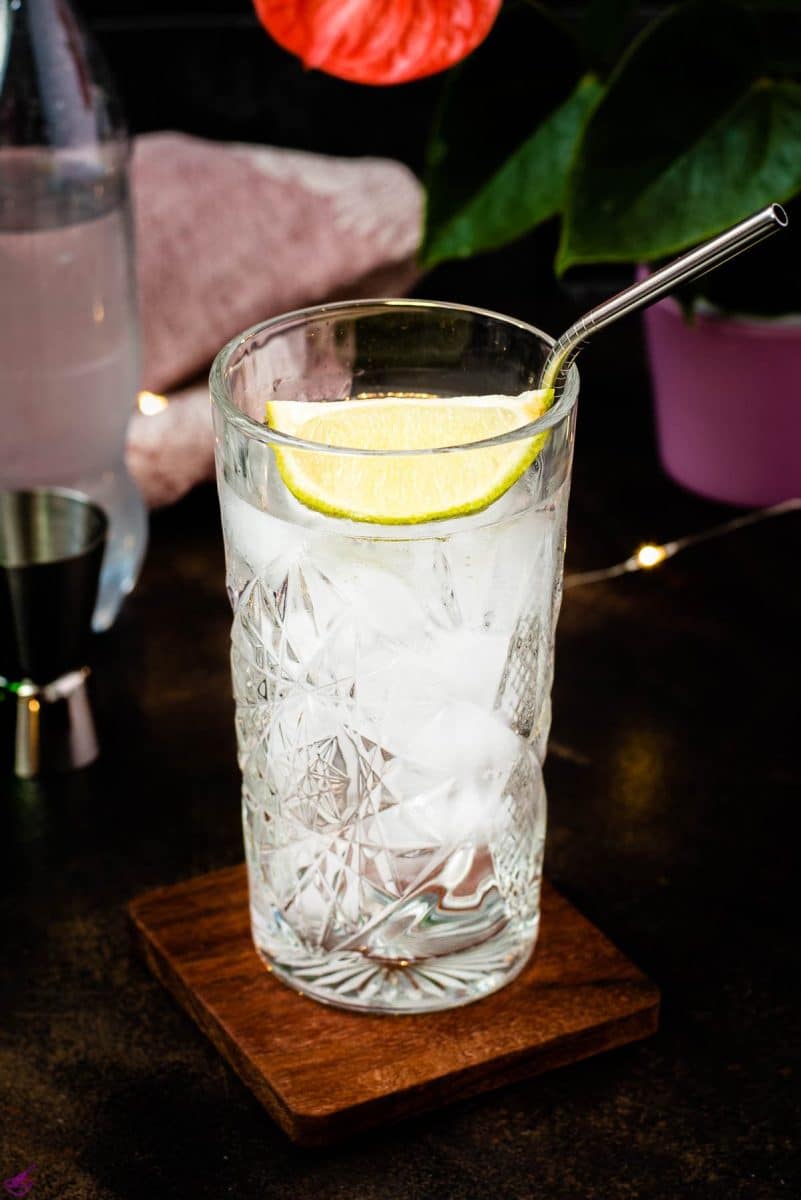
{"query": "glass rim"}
(258, 431)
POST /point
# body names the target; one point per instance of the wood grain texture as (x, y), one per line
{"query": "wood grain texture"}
(324, 1074)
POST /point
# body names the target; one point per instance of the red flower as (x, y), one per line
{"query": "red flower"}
(379, 41)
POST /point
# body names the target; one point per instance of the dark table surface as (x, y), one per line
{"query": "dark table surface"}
(673, 784)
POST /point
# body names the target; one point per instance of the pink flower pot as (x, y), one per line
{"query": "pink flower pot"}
(727, 393)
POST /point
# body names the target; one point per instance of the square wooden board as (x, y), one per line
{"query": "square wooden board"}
(324, 1074)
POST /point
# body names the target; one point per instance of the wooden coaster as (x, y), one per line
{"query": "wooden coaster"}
(324, 1074)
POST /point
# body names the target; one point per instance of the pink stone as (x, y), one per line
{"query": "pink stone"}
(229, 235)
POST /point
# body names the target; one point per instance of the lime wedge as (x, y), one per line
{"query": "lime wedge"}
(406, 490)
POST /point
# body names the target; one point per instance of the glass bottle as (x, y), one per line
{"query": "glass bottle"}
(68, 318)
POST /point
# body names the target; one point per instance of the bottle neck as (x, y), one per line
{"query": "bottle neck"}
(54, 87)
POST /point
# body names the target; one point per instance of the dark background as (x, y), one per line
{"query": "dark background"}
(209, 69)
(673, 787)
(236, 83)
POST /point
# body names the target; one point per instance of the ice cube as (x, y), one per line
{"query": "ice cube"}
(494, 570)
(467, 665)
(401, 689)
(465, 741)
(451, 778)
(264, 542)
(371, 579)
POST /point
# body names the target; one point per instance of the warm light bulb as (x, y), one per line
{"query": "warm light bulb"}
(149, 403)
(650, 556)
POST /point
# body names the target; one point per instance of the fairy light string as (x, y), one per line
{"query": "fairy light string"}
(644, 558)
(653, 554)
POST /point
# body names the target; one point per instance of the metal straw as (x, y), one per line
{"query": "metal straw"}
(692, 264)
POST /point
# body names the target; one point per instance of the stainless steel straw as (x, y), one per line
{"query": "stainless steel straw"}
(692, 264)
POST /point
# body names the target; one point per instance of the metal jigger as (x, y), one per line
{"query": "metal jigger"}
(51, 549)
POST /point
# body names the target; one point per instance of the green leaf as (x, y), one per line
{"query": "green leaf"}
(524, 71)
(684, 141)
(528, 188)
(603, 28)
(751, 158)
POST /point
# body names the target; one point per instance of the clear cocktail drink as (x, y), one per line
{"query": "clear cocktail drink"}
(392, 681)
